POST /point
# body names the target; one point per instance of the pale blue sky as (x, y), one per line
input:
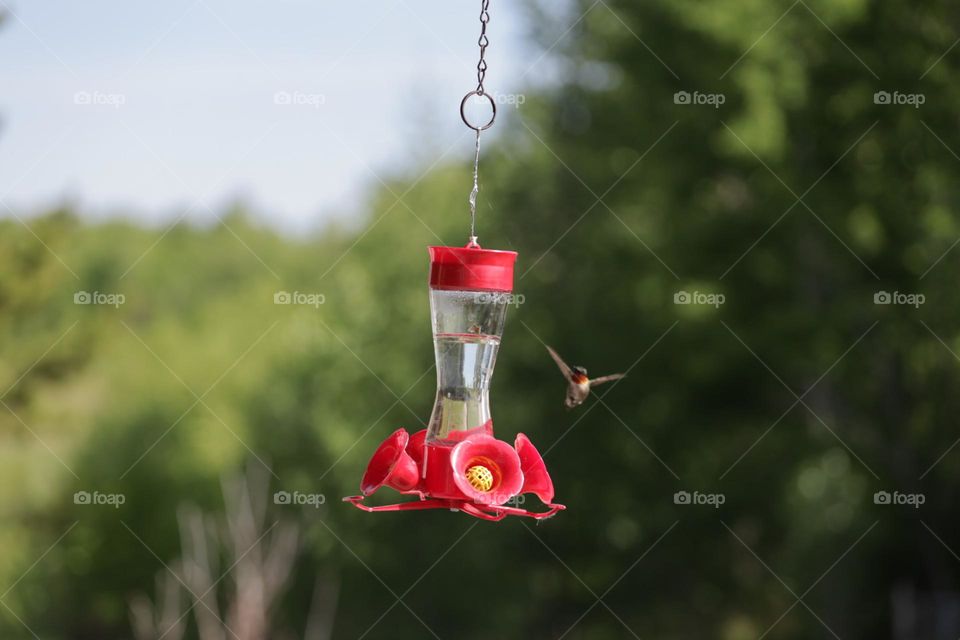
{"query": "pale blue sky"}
(144, 108)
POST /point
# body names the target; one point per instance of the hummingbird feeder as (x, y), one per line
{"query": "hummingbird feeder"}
(456, 463)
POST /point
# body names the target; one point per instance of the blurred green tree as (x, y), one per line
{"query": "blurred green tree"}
(764, 152)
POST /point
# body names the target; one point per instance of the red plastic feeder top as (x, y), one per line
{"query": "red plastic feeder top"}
(471, 269)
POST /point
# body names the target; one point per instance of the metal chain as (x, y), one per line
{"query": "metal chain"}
(483, 42)
(480, 92)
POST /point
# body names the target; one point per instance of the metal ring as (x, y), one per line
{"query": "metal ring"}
(463, 107)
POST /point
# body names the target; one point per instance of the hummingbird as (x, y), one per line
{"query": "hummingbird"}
(578, 384)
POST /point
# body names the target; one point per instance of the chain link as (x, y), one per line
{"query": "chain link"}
(483, 43)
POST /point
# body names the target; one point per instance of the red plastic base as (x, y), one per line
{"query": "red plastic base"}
(436, 472)
(482, 511)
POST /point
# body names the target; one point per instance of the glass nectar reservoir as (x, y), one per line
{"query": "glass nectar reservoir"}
(470, 289)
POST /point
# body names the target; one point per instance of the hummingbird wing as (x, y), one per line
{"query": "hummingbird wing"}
(564, 369)
(610, 378)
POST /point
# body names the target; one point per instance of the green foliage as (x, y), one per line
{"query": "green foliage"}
(617, 198)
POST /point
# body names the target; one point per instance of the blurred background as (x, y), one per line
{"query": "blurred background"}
(749, 206)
